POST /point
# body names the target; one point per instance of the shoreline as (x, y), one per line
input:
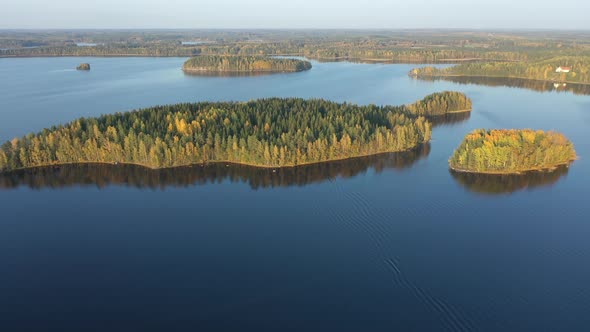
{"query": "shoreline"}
(403, 61)
(449, 112)
(321, 59)
(459, 111)
(493, 76)
(221, 72)
(234, 163)
(93, 56)
(516, 172)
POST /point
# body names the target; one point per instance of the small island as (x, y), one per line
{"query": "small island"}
(219, 64)
(441, 103)
(83, 66)
(275, 132)
(512, 151)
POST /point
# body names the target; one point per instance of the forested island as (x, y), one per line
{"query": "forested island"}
(558, 69)
(441, 103)
(83, 66)
(275, 132)
(512, 151)
(243, 64)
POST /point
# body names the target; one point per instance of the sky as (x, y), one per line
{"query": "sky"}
(281, 14)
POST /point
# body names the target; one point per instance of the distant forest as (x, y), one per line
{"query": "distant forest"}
(329, 45)
(541, 70)
(268, 132)
(211, 63)
(326, 52)
(536, 85)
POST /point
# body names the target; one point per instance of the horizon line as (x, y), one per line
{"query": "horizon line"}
(297, 29)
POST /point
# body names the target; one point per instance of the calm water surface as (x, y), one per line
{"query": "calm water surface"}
(388, 243)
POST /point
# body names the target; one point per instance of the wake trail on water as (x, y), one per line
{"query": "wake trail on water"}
(362, 217)
(452, 319)
(61, 70)
(366, 218)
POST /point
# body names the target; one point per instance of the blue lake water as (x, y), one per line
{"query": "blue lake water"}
(387, 243)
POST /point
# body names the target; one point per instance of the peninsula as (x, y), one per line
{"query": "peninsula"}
(568, 69)
(207, 64)
(512, 151)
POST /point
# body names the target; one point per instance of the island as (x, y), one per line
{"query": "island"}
(274, 132)
(211, 64)
(83, 66)
(566, 69)
(441, 103)
(512, 151)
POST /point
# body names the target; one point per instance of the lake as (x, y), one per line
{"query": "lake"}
(394, 242)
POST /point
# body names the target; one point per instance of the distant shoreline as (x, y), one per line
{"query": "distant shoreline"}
(321, 59)
(93, 56)
(221, 72)
(442, 77)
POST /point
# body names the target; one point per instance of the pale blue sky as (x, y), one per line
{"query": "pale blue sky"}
(386, 14)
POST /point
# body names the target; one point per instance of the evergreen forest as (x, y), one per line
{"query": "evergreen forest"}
(272, 132)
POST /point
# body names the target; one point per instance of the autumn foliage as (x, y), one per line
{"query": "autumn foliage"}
(512, 151)
(441, 103)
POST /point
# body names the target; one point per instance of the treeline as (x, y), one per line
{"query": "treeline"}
(512, 151)
(268, 132)
(396, 46)
(359, 51)
(441, 103)
(211, 63)
(329, 52)
(112, 50)
(410, 55)
(541, 70)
